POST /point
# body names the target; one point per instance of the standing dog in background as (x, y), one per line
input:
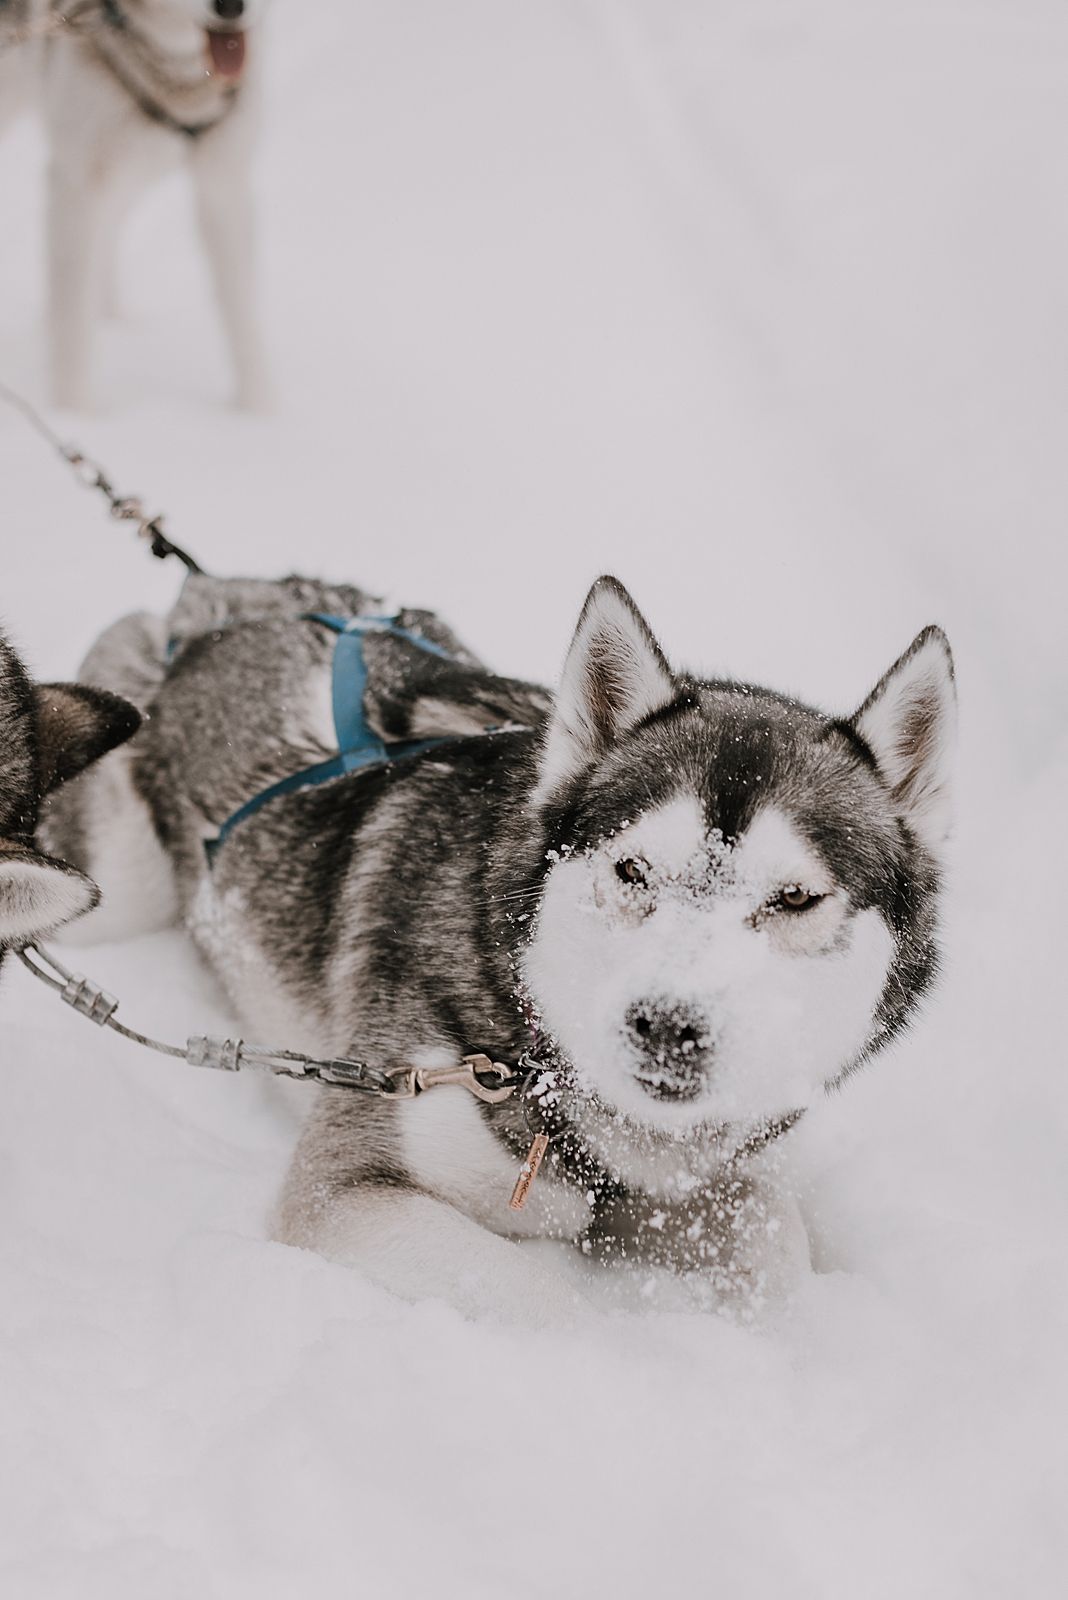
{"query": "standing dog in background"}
(130, 89)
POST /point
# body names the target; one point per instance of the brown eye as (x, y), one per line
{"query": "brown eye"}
(797, 899)
(630, 872)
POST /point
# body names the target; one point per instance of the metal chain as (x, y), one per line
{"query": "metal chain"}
(230, 1055)
(124, 508)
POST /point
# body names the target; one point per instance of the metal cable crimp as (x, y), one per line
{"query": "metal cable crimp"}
(230, 1055)
(88, 998)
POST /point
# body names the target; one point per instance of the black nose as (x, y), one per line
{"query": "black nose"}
(674, 1048)
(229, 9)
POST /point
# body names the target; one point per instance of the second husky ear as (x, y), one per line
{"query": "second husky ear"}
(614, 675)
(909, 723)
(38, 894)
(75, 725)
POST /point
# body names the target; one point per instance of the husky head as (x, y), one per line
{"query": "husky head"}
(228, 16)
(181, 25)
(738, 906)
(216, 15)
(48, 732)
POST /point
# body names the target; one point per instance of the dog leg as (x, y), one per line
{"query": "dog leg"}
(76, 241)
(420, 1248)
(771, 1253)
(220, 168)
(19, 74)
(88, 193)
(103, 153)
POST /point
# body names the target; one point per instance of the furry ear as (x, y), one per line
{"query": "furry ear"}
(38, 894)
(614, 675)
(75, 725)
(18, 762)
(909, 723)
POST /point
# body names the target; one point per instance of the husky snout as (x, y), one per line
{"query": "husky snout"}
(674, 1048)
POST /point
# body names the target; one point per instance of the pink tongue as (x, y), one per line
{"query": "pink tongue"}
(227, 53)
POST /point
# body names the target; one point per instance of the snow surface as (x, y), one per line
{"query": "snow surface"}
(758, 304)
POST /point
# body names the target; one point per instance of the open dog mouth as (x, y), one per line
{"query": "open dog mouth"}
(227, 53)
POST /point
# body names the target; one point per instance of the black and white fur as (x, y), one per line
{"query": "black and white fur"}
(48, 732)
(20, 57)
(118, 88)
(701, 902)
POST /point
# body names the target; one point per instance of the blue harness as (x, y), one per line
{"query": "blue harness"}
(358, 744)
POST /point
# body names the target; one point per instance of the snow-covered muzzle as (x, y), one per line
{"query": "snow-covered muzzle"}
(692, 981)
(215, 27)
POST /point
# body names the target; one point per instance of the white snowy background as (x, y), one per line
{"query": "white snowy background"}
(758, 304)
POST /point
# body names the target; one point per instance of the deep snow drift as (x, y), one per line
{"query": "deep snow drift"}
(757, 304)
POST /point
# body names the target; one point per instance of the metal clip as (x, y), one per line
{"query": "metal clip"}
(211, 1051)
(415, 1080)
(482, 1064)
(88, 998)
(355, 1075)
(404, 1085)
(128, 509)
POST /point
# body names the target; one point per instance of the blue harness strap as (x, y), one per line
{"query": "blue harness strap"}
(358, 744)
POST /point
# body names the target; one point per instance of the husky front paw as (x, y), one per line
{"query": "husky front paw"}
(420, 1248)
(741, 1244)
(769, 1254)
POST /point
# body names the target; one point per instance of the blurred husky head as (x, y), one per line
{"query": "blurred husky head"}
(739, 894)
(171, 24)
(48, 732)
(221, 15)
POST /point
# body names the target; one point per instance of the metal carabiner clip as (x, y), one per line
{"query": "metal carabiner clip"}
(413, 1081)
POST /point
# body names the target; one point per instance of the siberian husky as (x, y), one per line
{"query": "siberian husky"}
(48, 732)
(674, 911)
(130, 89)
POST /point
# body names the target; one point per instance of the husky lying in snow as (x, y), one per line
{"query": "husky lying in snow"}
(48, 732)
(697, 903)
(130, 88)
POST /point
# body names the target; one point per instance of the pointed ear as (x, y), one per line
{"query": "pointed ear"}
(614, 675)
(75, 725)
(909, 723)
(38, 894)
